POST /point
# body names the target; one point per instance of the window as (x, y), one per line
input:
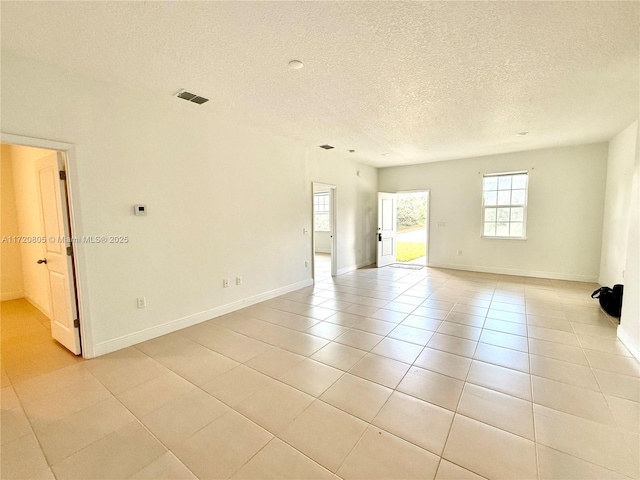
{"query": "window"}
(321, 212)
(504, 205)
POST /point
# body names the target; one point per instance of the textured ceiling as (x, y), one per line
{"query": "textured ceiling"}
(420, 81)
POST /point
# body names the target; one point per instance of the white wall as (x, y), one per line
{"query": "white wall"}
(621, 237)
(356, 201)
(222, 201)
(29, 213)
(11, 284)
(617, 205)
(564, 219)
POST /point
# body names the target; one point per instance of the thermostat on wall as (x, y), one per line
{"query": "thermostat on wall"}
(140, 209)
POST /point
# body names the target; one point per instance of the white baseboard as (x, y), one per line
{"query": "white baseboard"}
(130, 339)
(351, 268)
(11, 296)
(518, 272)
(629, 342)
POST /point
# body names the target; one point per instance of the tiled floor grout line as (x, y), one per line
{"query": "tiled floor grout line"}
(533, 413)
(465, 382)
(395, 390)
(319, 399)
(618, 429)
(141, 423)
(32, 430)
(274, 435)
(455, 413)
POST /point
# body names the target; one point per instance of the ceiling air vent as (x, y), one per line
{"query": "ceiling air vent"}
(192, 97)
(326, 147)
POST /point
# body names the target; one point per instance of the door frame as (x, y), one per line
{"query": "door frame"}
(68, 154)
(428, 222)
(333, 190)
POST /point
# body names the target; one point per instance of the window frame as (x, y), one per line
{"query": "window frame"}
(327, 213)
(524, 206)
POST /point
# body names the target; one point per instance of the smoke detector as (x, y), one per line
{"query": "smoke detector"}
(295, 65)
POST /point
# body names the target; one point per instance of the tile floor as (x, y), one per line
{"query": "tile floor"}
(322, 266)
(387, 373)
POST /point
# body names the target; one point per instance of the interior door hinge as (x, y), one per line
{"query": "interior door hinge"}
(76, 323)
(63, 175)
(69, 251)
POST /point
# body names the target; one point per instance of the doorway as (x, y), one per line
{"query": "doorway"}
(40, 328)
(403, 229)
(412, 228)
(324, 239)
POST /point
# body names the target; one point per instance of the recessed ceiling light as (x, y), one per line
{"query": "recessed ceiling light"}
(522, 134)
(351, 151)
(295, 65)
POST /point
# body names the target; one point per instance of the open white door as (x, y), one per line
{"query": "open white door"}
(58, 260)
(386, 229)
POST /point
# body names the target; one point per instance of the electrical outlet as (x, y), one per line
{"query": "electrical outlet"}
(306, 264)
(142, 302)
(225, 283)
(459, 252)
(238, 280)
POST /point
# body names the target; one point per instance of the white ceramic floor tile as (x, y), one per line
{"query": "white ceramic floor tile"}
(357, 396)
(491, 452)
(380, 455)
(590, 441)
(445, 363)
(573, 400)
(505, 380)
(432, 387)
(325, 434)
(555, 465)
(218, 392)
(416, 421)
(233, 438)
(451, 471)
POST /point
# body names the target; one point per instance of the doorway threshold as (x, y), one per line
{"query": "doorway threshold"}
(407, 266)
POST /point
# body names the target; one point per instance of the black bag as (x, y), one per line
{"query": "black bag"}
(610, 299)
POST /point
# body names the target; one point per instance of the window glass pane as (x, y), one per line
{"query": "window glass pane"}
(321, 203)
(504, 197)
(504, 183)
(321, 222)
(517, 197)
(490, 229)
(491, 198)
(519, 181)
(503, 214)
(517, 214)
(490, 183)
(502, 229)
